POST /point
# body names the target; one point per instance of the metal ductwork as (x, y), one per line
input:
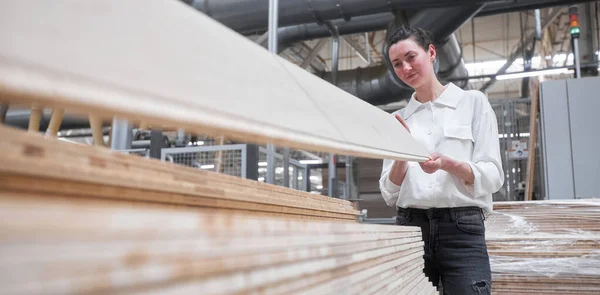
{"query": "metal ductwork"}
(249, 16)
(377, 84)
(520, 5)
(360, 24)
(380, 21)
(451, 64)
(20, 118)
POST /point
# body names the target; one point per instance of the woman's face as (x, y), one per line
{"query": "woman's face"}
(412, 64)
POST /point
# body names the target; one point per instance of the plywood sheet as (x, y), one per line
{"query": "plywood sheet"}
(165, 63)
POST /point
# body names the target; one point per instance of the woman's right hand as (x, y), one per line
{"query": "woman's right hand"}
(402, 122)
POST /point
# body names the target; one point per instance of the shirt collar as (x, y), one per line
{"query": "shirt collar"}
(449, 98)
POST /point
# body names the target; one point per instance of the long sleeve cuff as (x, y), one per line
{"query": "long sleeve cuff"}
(487, 179)
(470, 187)
(391, 187)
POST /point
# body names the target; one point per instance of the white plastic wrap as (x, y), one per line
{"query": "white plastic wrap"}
(540, 245)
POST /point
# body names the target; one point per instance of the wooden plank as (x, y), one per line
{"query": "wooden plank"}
(34, 118)
(159, 67)
(102, 159)
(191, 250)
(55, 121)
(347, 280)
(52, 160)
(96, 126)
(124, 219)
(531, 145)
(83, 190)
(379, 281)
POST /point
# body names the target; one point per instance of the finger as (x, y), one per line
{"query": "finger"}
(402, 122)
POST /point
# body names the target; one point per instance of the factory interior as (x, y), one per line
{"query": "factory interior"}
(236, 146)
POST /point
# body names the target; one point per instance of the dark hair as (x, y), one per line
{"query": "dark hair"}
(423, 37)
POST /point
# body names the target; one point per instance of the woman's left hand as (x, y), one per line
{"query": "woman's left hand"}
(436, 162)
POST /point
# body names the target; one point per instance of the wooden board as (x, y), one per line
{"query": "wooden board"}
(63, 245)
(169, 65)
(101, 173)
(532, 143)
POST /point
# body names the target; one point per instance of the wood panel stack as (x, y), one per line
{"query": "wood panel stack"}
(79, 219)
(100, 173)
(545, 247)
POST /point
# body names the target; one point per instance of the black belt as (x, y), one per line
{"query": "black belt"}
(440, 213)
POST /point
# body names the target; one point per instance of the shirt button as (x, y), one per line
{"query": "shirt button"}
(431, 185)
(429, 132)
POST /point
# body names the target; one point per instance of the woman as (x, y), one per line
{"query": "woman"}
(447, 195)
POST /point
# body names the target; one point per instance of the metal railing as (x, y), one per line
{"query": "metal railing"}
(233, 161)
(232, 158)
(297, 171)
(513, 117)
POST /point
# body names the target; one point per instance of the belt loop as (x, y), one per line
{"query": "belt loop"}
(408, 213)
(452, 214)
(482, 213)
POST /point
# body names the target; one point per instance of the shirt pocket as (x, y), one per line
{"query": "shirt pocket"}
(458, 132)
(457, 142)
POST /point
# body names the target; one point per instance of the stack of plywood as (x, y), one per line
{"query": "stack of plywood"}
(544, 247)
(86, 220)
(100, 173)
(83, 220)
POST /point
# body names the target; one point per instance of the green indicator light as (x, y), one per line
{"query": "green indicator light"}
(575, 31)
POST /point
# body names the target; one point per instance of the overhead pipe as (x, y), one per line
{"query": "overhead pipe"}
(376, 85)
(20, 118)
(499, 7)
(287, 36)
(250, 16)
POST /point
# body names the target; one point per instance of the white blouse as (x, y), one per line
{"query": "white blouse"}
(461, 125)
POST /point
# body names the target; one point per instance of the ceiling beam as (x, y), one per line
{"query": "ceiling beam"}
(314, 52)
(527, 41)
(360, 52)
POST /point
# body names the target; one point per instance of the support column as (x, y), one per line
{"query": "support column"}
(121, 134)
(156, 143)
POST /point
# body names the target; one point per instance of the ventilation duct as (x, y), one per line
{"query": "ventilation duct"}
(249, 16)
(20, 118)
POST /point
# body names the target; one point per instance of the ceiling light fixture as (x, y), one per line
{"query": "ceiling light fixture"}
(534, 73)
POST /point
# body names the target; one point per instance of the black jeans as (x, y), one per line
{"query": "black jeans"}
(455, 249)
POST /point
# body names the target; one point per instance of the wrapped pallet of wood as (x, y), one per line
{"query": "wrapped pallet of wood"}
(545, 247)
